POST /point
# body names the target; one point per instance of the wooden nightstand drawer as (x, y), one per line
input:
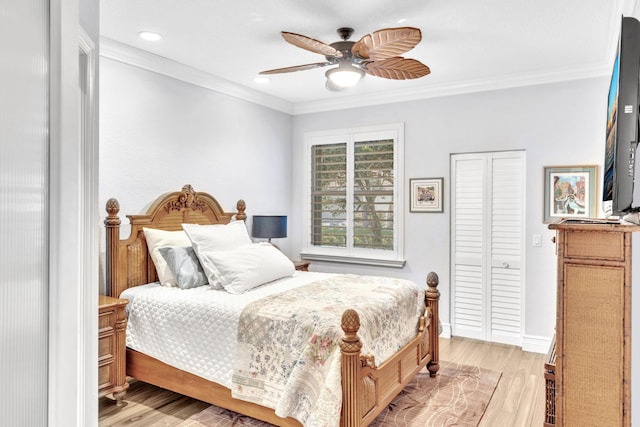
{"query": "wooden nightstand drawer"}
(112, 323)
(105, 347)
(106, 321)
(105, 376)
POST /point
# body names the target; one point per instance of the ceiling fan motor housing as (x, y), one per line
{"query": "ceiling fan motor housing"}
(345, 49)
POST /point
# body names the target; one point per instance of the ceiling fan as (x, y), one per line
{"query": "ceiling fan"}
(376, 54)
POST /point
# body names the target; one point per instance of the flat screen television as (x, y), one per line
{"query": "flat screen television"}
(620, 196)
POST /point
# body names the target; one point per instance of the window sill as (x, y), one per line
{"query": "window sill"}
(354, 260)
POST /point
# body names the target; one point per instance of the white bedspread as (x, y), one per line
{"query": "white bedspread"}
(195, 329)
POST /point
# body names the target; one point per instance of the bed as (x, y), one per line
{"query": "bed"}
(366, 387)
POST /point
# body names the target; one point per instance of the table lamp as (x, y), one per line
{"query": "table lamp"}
(269, 227)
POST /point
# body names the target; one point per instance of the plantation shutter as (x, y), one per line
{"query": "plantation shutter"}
(329, 195)
(353, 188)
(373, 194)
(360, 178)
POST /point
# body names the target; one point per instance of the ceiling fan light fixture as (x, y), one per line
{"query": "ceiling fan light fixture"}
(344, 76)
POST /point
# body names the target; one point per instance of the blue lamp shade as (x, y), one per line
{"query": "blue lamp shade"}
(269, 226)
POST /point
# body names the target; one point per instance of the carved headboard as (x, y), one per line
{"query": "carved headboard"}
(128, 262)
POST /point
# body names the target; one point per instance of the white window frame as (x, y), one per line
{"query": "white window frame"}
(349, 254)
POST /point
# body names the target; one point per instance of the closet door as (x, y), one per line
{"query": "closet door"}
(487, 218)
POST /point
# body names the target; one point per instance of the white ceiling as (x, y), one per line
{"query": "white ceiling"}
(470, 45)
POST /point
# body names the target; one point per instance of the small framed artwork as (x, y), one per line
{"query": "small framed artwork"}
(569, 192)
(426, 194)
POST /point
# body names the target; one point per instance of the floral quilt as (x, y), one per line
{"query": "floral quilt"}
(288, 354)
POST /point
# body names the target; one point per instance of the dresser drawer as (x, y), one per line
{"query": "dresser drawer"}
(601, 245)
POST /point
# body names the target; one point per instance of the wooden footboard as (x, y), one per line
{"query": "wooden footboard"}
(367, 389)
(146, 368)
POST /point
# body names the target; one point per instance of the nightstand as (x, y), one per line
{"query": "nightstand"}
(301, 265)
(112, 323)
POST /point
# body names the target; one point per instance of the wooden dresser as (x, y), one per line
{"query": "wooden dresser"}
(593, 324)
(112, 323)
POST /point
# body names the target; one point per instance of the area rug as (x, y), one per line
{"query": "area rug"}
(458, 396)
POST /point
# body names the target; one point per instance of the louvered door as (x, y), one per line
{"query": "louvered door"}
(487, 217)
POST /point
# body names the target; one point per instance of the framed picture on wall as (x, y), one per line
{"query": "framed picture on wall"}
(569, 192)
(426, 194)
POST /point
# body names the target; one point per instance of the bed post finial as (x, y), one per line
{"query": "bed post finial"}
(433, 296)
(350, 347)
(112, 226)
(241, 206)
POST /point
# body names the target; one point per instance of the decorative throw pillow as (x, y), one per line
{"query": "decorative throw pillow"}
(206, 239)
(160, 238)
(184, 265)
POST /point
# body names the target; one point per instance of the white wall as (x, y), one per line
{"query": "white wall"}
(158, 133)
(557, 124)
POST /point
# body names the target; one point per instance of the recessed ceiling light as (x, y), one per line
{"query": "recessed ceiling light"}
(261, 80)
(150, 36)
(402, 21)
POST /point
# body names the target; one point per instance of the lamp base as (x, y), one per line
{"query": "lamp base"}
(274, 245)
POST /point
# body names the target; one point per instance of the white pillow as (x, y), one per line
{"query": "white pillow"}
(249, 266)
(214, 238)
(157, 239)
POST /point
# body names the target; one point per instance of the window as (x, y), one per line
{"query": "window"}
(353, 183)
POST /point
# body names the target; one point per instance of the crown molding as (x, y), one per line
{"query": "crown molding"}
(130, 55)
(142, 59)
(458, 88)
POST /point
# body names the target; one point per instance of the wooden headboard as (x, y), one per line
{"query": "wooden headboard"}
(128, 262)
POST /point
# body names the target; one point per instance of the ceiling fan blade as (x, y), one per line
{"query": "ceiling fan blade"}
(397, 68)
(387, 43)
(312, 45)
(296, 68)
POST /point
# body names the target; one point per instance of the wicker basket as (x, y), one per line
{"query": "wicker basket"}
(550, 380)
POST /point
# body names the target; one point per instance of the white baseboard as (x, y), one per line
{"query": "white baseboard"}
(446, 330)
(536, 344)
(530, 343)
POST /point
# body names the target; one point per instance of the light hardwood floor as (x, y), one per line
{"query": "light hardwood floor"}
(519, 399)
